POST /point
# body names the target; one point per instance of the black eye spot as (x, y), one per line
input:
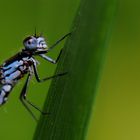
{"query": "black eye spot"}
(29, 42)
(27, 39)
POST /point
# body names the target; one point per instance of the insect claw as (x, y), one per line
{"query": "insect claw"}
(46, 113)
(64, 73)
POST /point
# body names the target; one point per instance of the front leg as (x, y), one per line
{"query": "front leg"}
(58, 41)
(50, 59)
(47, 78)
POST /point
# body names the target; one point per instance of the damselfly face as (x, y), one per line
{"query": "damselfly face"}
(33, 43)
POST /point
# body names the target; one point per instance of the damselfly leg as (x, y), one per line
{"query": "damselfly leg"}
(50, 59)
(23, 95)
(58, 41)
(24, 99)
(47, 78)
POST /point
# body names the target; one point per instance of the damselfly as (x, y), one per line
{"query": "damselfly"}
(24, 62)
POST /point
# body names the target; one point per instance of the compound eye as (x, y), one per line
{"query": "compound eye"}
(29, 42)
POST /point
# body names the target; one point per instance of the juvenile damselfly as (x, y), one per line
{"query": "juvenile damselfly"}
(24, 62)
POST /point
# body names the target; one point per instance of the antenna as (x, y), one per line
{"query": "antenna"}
(35, 32)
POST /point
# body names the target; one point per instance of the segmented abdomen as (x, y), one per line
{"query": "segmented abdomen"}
(10, 74)
(4, 92)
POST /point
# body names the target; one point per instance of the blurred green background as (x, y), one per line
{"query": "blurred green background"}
(116, 114)
(116, 111)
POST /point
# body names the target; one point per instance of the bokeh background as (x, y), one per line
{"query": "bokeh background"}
(116, 111)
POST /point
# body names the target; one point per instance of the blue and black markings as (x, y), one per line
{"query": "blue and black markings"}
(13, 69)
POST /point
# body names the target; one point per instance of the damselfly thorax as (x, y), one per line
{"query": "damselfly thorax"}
(24, 62)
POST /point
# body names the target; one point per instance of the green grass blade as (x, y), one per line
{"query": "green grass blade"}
(70, 97)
